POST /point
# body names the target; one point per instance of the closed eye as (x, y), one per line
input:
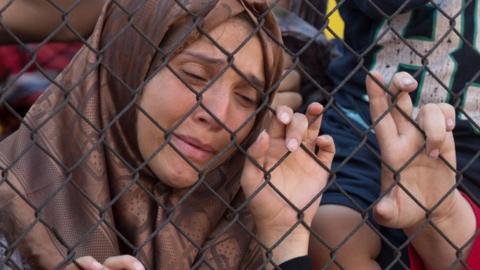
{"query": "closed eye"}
(247, 100)
(194, 76)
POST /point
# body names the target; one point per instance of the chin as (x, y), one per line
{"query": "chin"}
(174, 171)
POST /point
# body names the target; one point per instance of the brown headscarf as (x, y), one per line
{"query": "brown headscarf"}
(73, 182)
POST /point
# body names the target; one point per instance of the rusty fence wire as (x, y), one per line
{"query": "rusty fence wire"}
(436, 41)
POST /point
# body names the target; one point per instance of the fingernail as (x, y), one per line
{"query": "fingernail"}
(292, 145)
(261, 136)
(407, 81)
(97, 265)
(434, 153)
(138, 266)
(450, 124)
(284, 118)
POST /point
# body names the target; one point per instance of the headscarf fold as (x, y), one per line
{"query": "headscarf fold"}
(73, 181)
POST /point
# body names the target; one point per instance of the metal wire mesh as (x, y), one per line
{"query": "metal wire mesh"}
(393, 41)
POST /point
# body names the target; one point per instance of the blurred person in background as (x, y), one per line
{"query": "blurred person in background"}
(25, 73)
(28, 67)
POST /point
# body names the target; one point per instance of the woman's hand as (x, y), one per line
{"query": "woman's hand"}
(423, 158)
(288, 91)
(298, 176)
(112, 263)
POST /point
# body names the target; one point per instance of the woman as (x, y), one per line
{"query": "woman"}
(137, 147)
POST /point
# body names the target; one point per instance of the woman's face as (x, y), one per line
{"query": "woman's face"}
(229, 101)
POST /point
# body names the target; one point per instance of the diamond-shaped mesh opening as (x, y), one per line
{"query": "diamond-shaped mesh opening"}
(130, 127)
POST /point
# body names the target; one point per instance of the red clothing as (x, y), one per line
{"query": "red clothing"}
(473, 259)
(51, 56)
(50, 59)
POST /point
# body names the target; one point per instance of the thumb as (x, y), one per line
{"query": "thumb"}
(385, 211)
(252, 175)
(326, 150)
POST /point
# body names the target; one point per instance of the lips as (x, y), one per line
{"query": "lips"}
(192, 148)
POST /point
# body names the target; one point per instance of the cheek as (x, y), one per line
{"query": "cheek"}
(164, 101)
(246, 130)
(242, 133)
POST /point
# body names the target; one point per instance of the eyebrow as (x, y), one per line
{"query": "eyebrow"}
(254, 80)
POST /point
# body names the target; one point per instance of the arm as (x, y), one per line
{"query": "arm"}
(428, 176)
(432, 247)
(33, 20)
(472, 253)
(374, 8)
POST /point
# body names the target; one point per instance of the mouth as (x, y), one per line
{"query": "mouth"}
(192, 148)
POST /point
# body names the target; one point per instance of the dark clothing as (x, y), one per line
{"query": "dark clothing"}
(299, 263)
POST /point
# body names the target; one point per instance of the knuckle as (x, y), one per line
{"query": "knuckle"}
(429, 107)
(128, 258)
(84, 260)
(403, 74)
(449, 109)
(303, 120)
(299, 116)
(435, 137)
(284, 109)
(398, 77)
(109, 260)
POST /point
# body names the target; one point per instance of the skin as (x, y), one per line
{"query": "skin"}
(288, 91)
(355, 244)
(17, 17)
(33, 20)
(231, 100)
(426, 177)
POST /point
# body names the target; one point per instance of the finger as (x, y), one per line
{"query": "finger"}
(385, 129)
(89, 263)
(289, 99)
(283, 116)
(314, 117)
(386, 210)
(432, 122)
(449, 113)
(123, 262)
(296, 131)
(291, 82)
(402, 84)
(252, 175)
(326, 149)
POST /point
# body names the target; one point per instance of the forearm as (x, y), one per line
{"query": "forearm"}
(32, 20)
(458, 227)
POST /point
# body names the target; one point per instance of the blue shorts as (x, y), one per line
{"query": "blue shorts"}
(357, 168)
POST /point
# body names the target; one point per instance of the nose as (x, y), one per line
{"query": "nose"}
(214, 112)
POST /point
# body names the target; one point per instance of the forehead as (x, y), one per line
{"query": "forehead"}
(233, 37)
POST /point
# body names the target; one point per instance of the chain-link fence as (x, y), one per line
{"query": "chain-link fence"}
(161, 91)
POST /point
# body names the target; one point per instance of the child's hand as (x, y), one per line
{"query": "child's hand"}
(425, 162)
